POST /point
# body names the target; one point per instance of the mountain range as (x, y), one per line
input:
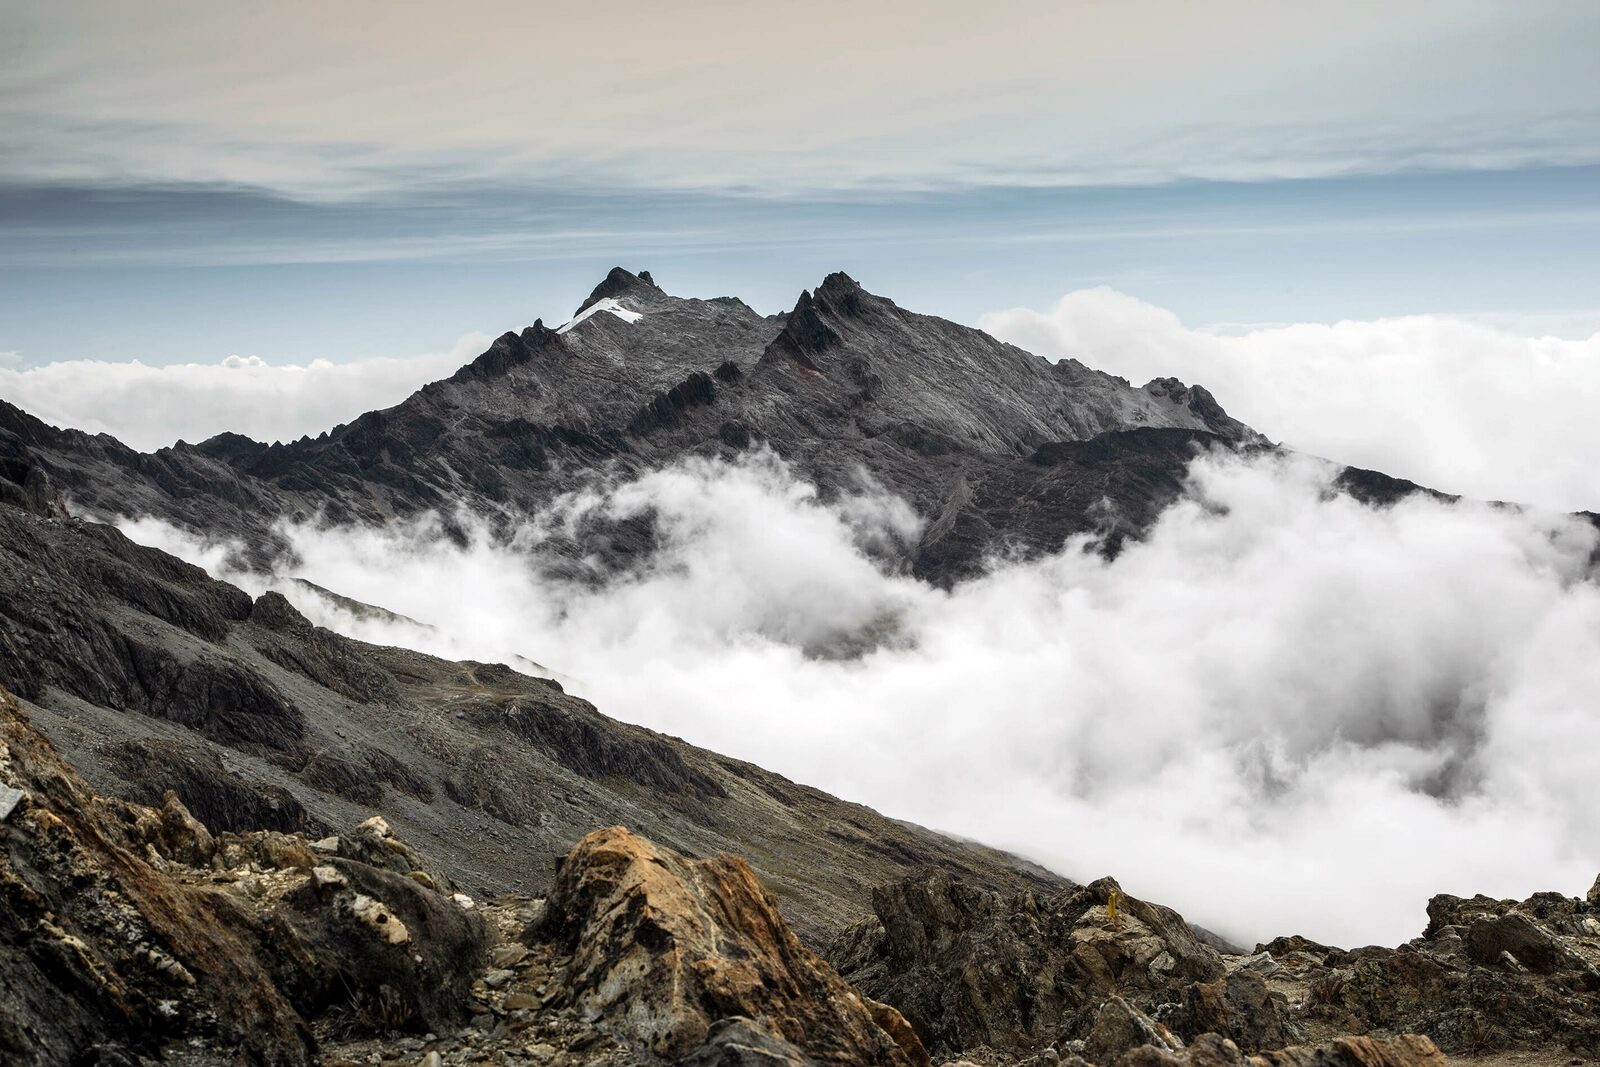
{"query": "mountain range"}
(201, 719)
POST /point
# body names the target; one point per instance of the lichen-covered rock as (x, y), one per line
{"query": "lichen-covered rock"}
(124, 927)
(100, 951)
(1486, 975)
(1239, 1007)
(971, 968)
(663, 947)
(1119, 1027)
(375, 843)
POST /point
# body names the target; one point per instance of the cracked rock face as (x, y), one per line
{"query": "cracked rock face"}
(970, 967)
(1022, 978)
(663, 948)
(1485, 975)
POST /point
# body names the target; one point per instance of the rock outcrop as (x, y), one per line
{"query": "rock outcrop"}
(1021, 977)
(970, 967)
(131, 933)
(664, 949)
(1485, 975)
(124, 928)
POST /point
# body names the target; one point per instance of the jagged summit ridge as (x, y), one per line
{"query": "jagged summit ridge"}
(940, 414)
(620, 282)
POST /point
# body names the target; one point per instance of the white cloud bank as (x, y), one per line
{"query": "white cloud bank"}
(152, 407)
(1281, 712)
(1460, 406)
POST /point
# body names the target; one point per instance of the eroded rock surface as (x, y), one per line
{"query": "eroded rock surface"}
(1020, 980)
(663, 948)
(1213, 1051)
(124, 929)
(969, 967)
(1485, 975)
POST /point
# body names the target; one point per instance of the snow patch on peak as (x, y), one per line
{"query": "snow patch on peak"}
(610, 304)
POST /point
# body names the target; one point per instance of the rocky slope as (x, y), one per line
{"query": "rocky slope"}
(132, 935)
(1094, 972)
(153, 676)
(970, 431)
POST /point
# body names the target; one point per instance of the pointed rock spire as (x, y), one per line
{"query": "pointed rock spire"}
(619, 282)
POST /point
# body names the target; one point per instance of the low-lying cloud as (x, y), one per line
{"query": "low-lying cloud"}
(1457, 405)
(150, 407)
(1280, 712)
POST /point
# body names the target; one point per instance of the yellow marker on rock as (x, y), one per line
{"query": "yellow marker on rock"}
(1111, 904)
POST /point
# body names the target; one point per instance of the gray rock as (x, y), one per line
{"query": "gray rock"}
(9, 799)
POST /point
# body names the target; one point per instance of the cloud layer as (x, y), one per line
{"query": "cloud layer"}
(1456, 405)
(370, 97)
(152, 407)
(1281, 712)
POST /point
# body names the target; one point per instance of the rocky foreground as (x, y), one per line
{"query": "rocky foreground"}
(133, 934)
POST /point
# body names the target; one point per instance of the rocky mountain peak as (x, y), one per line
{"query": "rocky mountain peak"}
(805, 334)
(842, 293)
(621, 282)
(509, 350)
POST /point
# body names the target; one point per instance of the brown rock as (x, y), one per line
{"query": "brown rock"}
(663, 947)
(184, 838)
(894, 1024)
(94, 940)
(108, 942)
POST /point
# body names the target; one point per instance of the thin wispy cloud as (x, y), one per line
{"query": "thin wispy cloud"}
(370, 98)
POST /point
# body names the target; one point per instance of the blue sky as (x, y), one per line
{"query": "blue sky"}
(184, 182)
(195, 275)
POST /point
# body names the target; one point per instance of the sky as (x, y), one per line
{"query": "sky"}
(184, 182)
(1370, 228)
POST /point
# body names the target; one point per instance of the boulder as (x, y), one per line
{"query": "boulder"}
(662, 948)
(1120, 1027)
(1239, 1007)
(375, 843)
